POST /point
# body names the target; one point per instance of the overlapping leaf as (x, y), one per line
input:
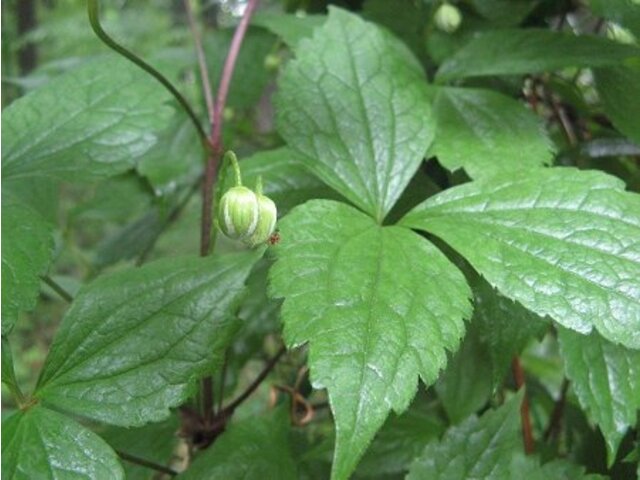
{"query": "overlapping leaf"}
(132, 343)
(43, 444)
(562, 242)
(256, 448)
(379, 306)
(619, 91)
(485, 132)
(606, 379)
(354, 104)
(290, 28)
(519, 51)
(93, 121)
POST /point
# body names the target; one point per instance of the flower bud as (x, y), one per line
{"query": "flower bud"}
(239, 213)
(266, 221)
(448, 18)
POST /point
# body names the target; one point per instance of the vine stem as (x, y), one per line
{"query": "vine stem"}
(146, 463)
(202, 61)
(558, 410)
(211, 169)
(527, 431)
(93, 8)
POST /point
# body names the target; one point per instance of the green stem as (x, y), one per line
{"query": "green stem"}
(259, 185)
(231, 158)
(93, 9)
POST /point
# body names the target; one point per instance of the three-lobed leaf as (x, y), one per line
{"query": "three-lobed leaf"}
(606, 380)
(44, 444)
(519, 51)
(91, 122)
(133, 343)
(562, 242)
(485, 133)
(354, 105)
(379, 306)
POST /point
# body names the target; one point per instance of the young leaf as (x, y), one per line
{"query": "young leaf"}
(27, 248)
(606, 380)
(90, 122)
(8, 372)
(255, 449)
(354, 105)
(619, 91)
(43, 444)
(519, 51)
(485, 133)
(478, 448)
(132, 343)
(379, 307)
(562, 242)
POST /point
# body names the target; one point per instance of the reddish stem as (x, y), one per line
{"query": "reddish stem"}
(527, 431)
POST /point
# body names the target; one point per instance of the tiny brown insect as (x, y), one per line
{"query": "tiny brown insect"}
(274, 238)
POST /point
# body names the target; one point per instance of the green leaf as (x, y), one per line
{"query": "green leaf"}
(530, 468)
(505, 12)
(401, 439)
(379, 307)
(478, 448)
(562, 242)
(257, 448)
(485, 132)
(606, 380)
(133, 343)
(155, 442)
(90, 122)
(27, 248)
(503, 326)
(290, 28)
(354, 105)
(285, 179)
(8, 372)
(43, 444)
(624, 12)
(520, 51)
(619, 91)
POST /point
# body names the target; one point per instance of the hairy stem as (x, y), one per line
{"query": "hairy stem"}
(527, 431)
(93, 10)
(146, 463)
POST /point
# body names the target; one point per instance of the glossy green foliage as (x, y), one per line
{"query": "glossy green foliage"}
(253, 449)
(511, 51)
(94, 121)
(26, 254)
(619, 91)
(354, 104)
(133, 343)
(570, 239)
(43, 444)
(485, 133)
(376, 318)
(606, 380)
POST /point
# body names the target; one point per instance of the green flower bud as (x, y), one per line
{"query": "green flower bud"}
(448, 18)
(239, 213)
(266, 222)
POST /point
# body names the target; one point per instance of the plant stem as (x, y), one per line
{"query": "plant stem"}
(146, 463)
(202, 61)
(223, 378)
(56, 287)
(211, 168)
(527, 431)
(94, 19)
(556, 416)
(228, 410)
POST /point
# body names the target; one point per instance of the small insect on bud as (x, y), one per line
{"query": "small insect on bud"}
(239, 213)
(448, 18)
(266, 222)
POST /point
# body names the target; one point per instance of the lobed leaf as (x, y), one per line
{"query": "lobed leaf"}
(133, 343)
(379, 306)
(354, 105)
(562, 242)
(43, 444)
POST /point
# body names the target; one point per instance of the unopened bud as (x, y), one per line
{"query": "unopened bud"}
(448, 18)
(239, 213)
(268, 214)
